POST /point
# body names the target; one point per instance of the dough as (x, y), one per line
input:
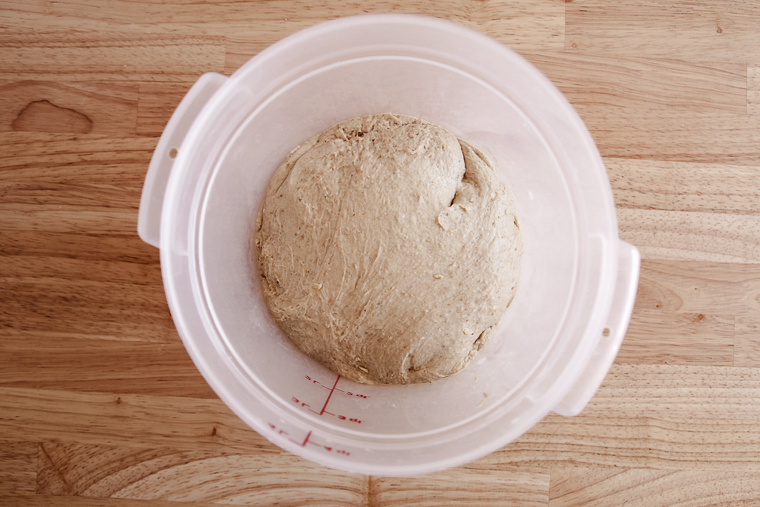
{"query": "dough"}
(389, 249)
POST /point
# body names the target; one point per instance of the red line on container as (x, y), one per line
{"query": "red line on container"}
(330, 395)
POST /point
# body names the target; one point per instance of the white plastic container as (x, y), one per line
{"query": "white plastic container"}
(558, 338)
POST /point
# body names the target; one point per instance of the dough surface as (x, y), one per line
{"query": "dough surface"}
(389, 249)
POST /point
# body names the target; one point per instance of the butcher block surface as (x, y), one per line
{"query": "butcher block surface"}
(100, 404)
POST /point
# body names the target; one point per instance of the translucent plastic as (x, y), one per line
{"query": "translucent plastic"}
(571, 289)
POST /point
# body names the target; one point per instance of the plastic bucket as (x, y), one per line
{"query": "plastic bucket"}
(558, 338)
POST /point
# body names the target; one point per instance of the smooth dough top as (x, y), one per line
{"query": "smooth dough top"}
(389, 249)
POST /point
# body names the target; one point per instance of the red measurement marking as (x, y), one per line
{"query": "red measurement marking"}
(280, 432)
(339, 416)
(308, 440)
(333, 388)
(327, 401)
(304, 404)
(329, 395)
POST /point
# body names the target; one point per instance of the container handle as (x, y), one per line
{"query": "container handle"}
(154, 188)
(629, 263)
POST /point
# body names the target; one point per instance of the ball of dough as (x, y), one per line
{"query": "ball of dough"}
(389, 249)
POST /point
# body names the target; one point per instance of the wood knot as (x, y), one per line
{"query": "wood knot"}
(44, 116)
(118, 400)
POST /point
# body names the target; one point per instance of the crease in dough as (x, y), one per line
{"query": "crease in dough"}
(389, 249)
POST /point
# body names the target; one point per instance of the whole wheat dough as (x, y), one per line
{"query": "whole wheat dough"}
(389, 249)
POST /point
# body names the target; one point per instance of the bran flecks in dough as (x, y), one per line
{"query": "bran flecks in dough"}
(389, 249)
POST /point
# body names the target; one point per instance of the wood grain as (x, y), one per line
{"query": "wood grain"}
(680, 393)
(706, 138)
(519, 23)
(126, 420)
(62, 269)
(662, 417)
(207, 477)
(700, 418)
(98, 220)
(75, 501)
(92, 363)
(463, 486)
(106, 324)
(699, 287)
(100, 404)
(753, 90)
(78, 172)
(716, 30)
(150, 474)
(83, 192)
(77, 108)
(682, 338)
(18, 475)
(116, 296)
(113, 310)
(692, 236)
(57, 52)
(747, 339)
(612, 486)
(102, 471)
(157, 102)
(597, 85)
(672, 322)
(684, 186)
(113, 248)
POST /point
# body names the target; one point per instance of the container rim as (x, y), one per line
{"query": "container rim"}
(169, 251)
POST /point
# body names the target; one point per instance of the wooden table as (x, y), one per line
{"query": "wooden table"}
(100, 404)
